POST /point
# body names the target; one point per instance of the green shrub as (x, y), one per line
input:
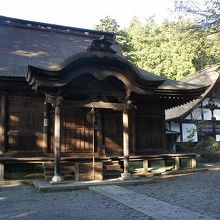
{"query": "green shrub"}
(186, 147)
(209, 151)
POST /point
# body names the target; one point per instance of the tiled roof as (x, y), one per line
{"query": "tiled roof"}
(24, 43)
(207, 77)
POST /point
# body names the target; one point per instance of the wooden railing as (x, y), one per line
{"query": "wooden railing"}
(148, 158)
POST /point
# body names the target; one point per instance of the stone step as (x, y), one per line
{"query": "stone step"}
(66, 177)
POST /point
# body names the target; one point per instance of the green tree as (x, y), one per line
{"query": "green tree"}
(170, 49)
(109, 24)
(206, 12)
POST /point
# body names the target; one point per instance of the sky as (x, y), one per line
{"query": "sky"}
(85, 13)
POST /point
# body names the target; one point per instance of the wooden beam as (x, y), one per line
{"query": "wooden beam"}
(3, 125)
(92, 92)
(100, 104)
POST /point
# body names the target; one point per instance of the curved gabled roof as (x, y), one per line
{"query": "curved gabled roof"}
(100, 64)
(208, 77)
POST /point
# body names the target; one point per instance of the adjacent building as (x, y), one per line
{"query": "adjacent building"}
(199, 119)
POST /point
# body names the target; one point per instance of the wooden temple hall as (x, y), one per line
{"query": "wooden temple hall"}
(69, 99)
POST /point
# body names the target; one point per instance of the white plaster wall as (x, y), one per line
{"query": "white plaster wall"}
(217, 101)
(188, 117)
(217, 137)
(197, 114)
(176, 127)
(205, 102)
(217, 114)
(207, 114)
(186, 129)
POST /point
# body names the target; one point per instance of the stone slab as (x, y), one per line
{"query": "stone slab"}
(44, 186)
(152, 207)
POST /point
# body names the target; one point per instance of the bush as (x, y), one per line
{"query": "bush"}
(209, 146)
(209, 150)
(186, 147)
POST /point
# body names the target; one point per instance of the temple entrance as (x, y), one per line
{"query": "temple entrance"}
(76, 132)
(113, 130)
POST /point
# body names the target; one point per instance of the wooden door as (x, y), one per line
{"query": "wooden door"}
(113, 133)
(76, 132)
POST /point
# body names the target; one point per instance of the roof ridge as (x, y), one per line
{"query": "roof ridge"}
(54, 27)
(207, 70)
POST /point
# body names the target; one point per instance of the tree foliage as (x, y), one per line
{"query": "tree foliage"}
(206, 12)
(109, 24)
(169, 49)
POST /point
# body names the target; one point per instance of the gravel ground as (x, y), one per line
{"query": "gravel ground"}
(23, 202)
(198, 192)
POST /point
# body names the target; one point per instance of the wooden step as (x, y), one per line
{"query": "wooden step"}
(67, 170)
(111, 169)
(70, 169)
(111, 175)
(109, 162)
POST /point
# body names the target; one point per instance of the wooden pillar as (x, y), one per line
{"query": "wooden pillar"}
(193, 162)
(101, 148)
(2, 133)
(133, 132)
(173, 143)
(177, 163)
(145, 166)
(46, 129)
(2, 175)
(126, 174)
(56, 102)
(3, 125)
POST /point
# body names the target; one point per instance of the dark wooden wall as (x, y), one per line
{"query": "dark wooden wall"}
(25, 129)
(150, 129)
(24, 124)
